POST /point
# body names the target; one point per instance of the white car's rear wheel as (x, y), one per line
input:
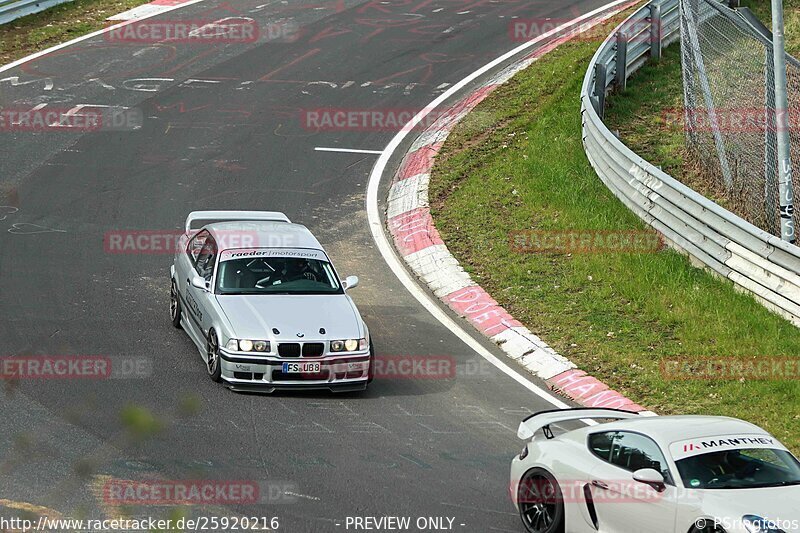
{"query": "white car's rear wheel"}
(541, 505)
(213, 362)
(703, 525)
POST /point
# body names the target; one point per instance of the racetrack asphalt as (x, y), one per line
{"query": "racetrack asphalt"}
(224, 129)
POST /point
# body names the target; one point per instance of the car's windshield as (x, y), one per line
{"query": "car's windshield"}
(276, 272)
(740, 469)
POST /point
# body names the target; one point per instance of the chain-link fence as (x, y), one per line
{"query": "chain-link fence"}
(729, 114)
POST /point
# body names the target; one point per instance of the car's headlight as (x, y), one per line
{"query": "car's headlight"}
(349, 345)
(756, 524)
(246, 345)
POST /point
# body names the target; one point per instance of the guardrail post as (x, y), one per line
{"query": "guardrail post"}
(655, 31)
(600, 84)
(622, 61)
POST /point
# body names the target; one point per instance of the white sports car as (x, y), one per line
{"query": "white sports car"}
(638, 474)
(261, 300)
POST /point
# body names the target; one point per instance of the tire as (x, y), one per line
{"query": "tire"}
(709, 527)
(541, 504)
(371, 371)
(213, 361)
(175, 310)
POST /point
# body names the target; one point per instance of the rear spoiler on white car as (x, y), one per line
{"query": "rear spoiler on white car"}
(543, 420)
(207, 217)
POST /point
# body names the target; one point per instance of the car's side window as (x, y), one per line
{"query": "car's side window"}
(206, 259)
(600, 444)
(633, 451)
(196, 245)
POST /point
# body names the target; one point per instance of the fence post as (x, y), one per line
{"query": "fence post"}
(655, 31)
(622, 60)
(600, 84)
(782, 121)
(770, 149)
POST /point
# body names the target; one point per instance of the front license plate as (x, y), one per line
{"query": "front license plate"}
(302, 368)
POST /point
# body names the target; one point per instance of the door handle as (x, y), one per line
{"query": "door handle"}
(599, 484)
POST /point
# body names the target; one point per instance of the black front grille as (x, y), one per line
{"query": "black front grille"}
(294, 349)
(313, 349)
(289, 349)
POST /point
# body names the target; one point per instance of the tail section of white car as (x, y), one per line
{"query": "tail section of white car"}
(207, 217)
(535, 422)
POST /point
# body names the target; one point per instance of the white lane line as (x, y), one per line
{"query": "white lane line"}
(348, 150)
(386, 249)
(93, 34)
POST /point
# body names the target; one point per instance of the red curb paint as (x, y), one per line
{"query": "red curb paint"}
(481, 310)
(418, 162)
(590, 391)
(414, 231)
(472, 100)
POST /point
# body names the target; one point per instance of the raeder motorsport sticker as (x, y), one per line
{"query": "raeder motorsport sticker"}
(299, 253)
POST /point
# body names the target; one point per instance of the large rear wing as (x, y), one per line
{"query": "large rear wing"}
(207, 217)
(543, 420)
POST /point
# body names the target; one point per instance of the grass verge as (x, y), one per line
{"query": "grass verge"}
(517, 163)
(56, 25)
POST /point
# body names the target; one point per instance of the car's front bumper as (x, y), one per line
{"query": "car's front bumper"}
(341, 373)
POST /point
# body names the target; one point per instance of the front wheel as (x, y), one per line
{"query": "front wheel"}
(174, 305)
(213, 361)
(371, 371)
(541, 505)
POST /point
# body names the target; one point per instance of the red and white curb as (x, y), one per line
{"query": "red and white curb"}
(417, 241)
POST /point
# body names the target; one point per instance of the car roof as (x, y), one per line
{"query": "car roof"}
(262, 234)
(668, 429)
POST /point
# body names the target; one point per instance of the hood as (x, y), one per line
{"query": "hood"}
(254, 316)
(774, 503)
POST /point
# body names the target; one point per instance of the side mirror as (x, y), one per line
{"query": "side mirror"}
(199, 282)
(351, 282)
(650, 476)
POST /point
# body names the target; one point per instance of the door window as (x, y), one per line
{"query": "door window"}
(630, 451)
(206, 258)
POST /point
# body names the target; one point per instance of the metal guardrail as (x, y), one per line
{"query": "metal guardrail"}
(711, 236)
(12, 10)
